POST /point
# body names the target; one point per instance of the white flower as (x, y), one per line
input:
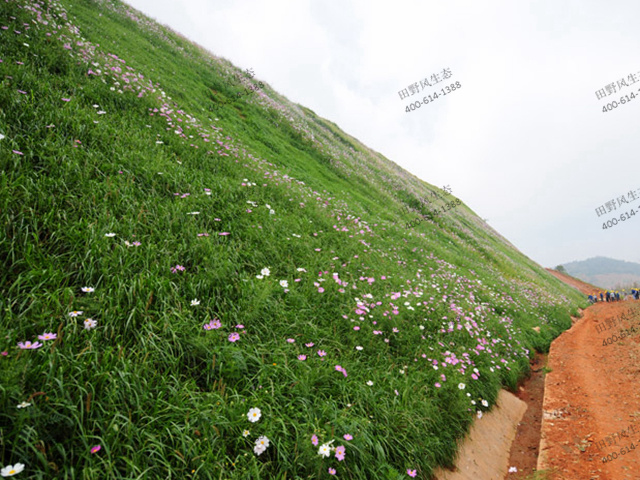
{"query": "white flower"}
(101, 112)
(324, 450)
(254, 415)
(24, 405)
(284, 284)
(402, 372)
(261, 445)
(271, 212)
(159, 141)
(370, 383)
(245, 433)
(484, 403)
(193, 213)
(88, 289)
(479, 414)
(90, 323)
(259, 277)
(1, 136)
(461, 386)
(301, 270)
(358, 347)
(11, 470)
(109, 235)
(265, 271)
(195, 302)
(513, 469)
(421, 327)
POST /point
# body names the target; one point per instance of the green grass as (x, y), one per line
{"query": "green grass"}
(162, 396)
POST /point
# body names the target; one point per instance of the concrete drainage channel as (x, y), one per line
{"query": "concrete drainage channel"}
(507, 436)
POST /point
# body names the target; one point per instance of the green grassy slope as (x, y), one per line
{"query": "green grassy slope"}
(395, 338)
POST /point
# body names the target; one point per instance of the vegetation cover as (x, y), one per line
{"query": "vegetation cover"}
(202, 285)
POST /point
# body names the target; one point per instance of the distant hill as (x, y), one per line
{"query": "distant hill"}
(605, 272)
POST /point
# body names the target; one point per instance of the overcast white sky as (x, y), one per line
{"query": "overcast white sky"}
(523, 142)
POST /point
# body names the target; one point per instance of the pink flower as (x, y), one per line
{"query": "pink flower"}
(212, 325)
(224, 233)
(95, 449)
(322, 353)
(314, 440)
(17, 152)
(340, 451)
(411, 473)
(310, 344)
(356, 328)
(47, 336)
(66, 99)
(302, 358)
(235, 336)
(4, 354)
(290, 340)
(347, 437)
(29, 345)
(332, 471)
(239, 326)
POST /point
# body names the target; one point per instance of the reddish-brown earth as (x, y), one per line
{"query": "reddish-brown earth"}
(592, 392)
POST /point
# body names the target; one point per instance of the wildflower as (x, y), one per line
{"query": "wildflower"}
(314, 440)
(259, 277)
(484, 403)
(75, 313)
(1, 136)
(341, 370)
(234, 337)
(479, 414)
(284, 284)
(301, 270)
(261, 445)
(332, 471)
(254, 414)
(340, 451)
(4, 354)
(245, 433)
(177, 268)
(239, 326)
(513, 469)
(90, 323)
(109, 235)
(47, 336)
(291, 340)
(324, 450)
(193, 213)
(96, 449)
(302, 358)
(461, 386)
(322, 353)
(411, 473)
(358, 347)
(396, 392)
(370, 383)
(212, 325)
(195, 302)
(265, 271)
(310, 344)
(24, 405)
(87, 289)
(29, 345)
(11, 470)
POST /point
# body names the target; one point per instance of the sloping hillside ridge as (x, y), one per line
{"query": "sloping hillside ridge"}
(201, 285)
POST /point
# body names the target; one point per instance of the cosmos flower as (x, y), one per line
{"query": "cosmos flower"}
(340, 451)
(75, 313)
(324, 450)
(90, 323)
(284, 284)
(234, 337)
(212, 325)
(411, 473)
(245, 433)
(254, 414)
(302, 358)
(265, 271)
(484, 403)
(347, 437)
(29, 346)
(47, 336)
(87, 289)
(109, 235)
(479, 414)
(96, 448)
(24, 405)
(461, 386)
(322, 353)
(314, 440)
(291, 340)
(195, 302)
(262, 443)
(332, 471)
(513, 469)
(11, 470)
(370, 383)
